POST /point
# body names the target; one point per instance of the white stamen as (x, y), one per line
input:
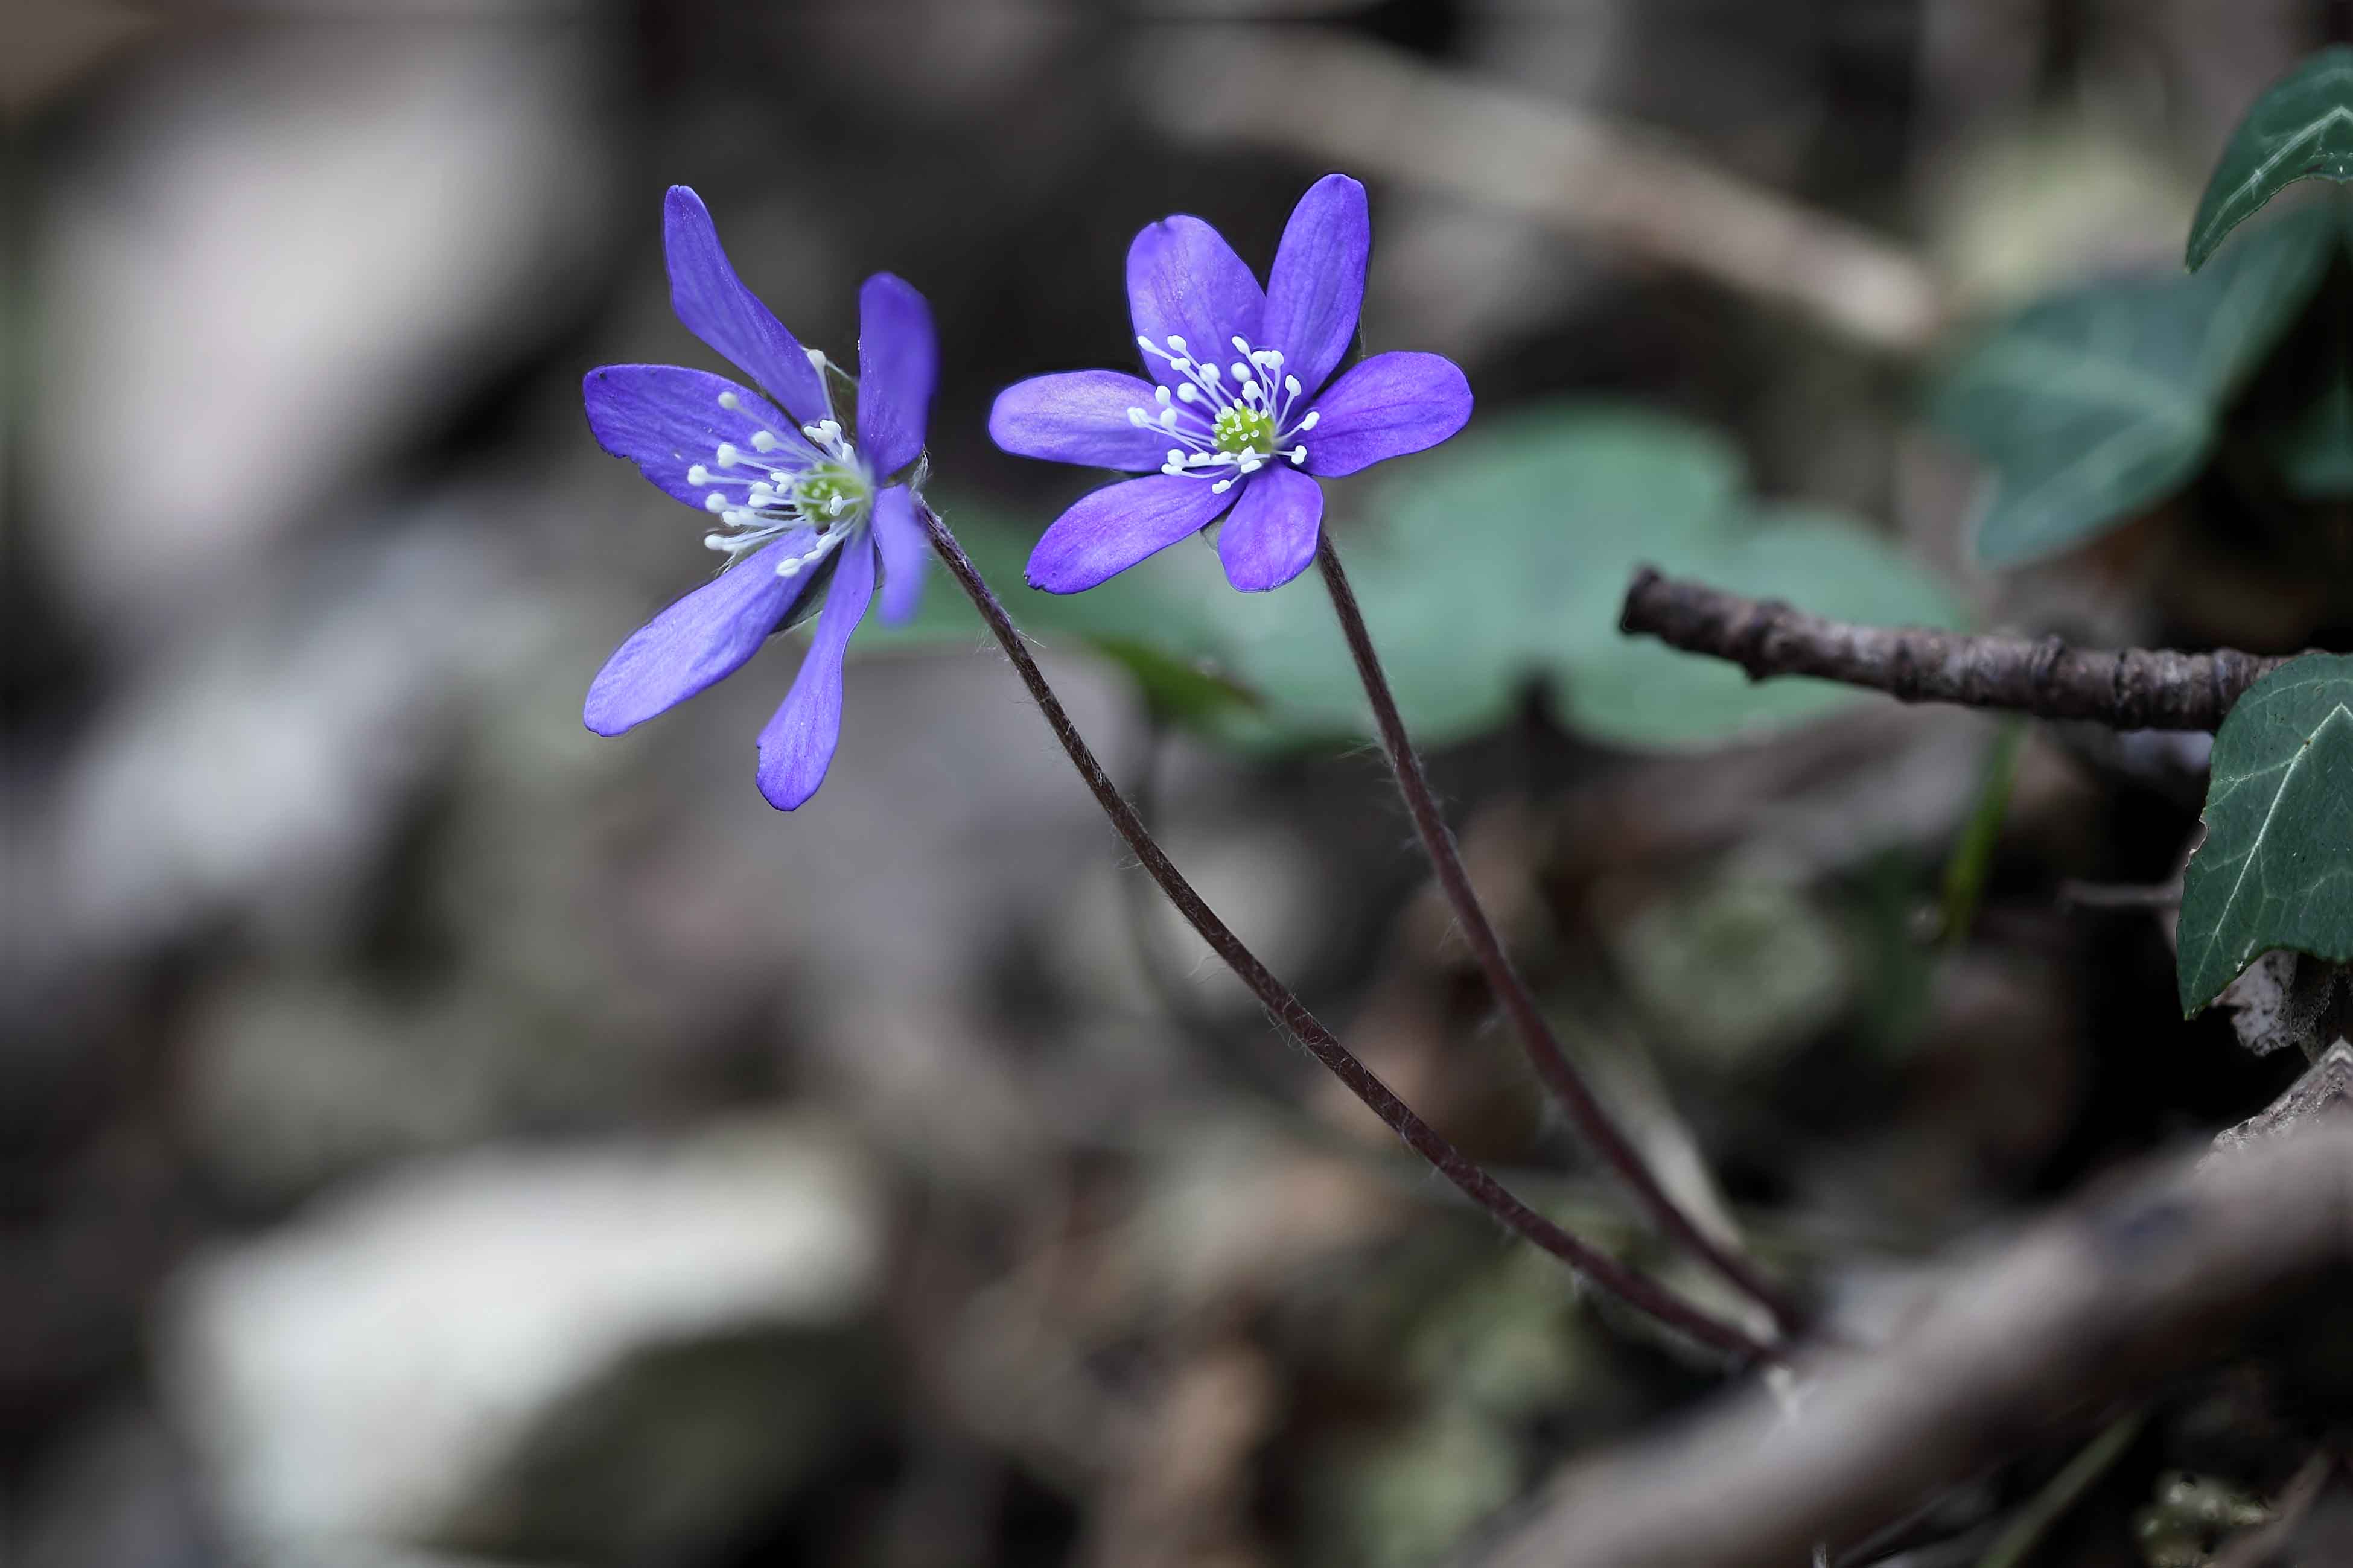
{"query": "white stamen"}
(1161, 394)
(1136, 417)
(1177, 343)
(1188, 392)
(698, 476)
(1221, 487)
(764, 441)
(714, 502)
(1290, 385)
(729, 400)
(1297, 454)
(726, 454)
(1309, 423)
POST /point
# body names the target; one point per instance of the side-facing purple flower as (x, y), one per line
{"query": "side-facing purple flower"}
(1236, 440)
(807, 520)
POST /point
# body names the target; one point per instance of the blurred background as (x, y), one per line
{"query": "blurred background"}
(430, 1134)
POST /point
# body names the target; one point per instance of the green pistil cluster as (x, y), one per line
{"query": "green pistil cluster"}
(831, 494)
(1243, 430)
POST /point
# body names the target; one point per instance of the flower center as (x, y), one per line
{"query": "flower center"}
(1228, 422)
(1244, 431)
(818, 485)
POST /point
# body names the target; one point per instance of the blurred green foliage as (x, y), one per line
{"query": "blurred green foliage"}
(1487, 568)
(2095, 404)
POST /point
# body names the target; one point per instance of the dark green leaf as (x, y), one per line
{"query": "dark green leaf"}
(2095, 404)
(2301, 128)
(2276, 866)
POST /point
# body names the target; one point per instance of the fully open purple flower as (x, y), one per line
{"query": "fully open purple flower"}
(806, 516)
(1236, 439)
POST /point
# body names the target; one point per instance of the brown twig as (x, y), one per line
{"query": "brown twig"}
(1543, 1050)
(1636, 1289)
(2132, 689)
(2153, 1277)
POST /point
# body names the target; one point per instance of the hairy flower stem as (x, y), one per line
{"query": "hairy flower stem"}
(1637, 1290)
(1543, 1049)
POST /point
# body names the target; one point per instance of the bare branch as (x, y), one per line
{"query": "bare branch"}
(2149, 1278)
(2131, 689)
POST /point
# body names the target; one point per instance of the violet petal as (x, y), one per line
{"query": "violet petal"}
(1384, 407)
(716, 306)
(898, 364)
(1317, 285)
(796, 747)
(1111, 530)
(1270, 536)
(698, 640)
(1185, 281)
(666, 419)
(1081, 417)
(899, 536)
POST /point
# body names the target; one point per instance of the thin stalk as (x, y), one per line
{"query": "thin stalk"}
(1972, 859)
(2016, 1544)
(1543, 1049)
(1635, 1289)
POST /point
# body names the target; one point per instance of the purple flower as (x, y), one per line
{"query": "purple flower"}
(805, 520)
(1237, 440)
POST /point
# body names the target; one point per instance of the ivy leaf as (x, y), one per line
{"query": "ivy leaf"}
(2301, 128)
(2095, 404)
(2276, 866)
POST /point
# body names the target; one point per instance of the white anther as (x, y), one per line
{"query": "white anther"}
(790, 566)
(1241, 344)
(1176, 458)
(714, 502)
(698, 476)
(834, 504)
(761, 493)
(764, 441)
(1275, 354)
(1290, 385)
(1161, 394)
(1252, 465)
(1221, 487)
(1188, 392)
(1168, 419)
(1136, 416)
(1209, 373)
(1177, 343)
(815, 357)
(1309, 423)
(729, 400)
(726, 454)
(1297, 454)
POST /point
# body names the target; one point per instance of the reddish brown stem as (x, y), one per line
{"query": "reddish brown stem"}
(1634, 1288)
(1544, 1052)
